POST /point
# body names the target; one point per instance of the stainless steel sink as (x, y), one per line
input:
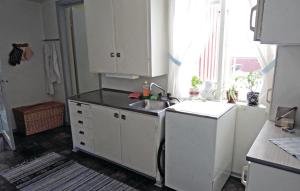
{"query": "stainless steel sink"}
(150, 105)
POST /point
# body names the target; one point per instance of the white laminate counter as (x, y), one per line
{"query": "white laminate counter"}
(265, 152)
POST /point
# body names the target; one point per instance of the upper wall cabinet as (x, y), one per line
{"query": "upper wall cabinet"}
(128, 36)
(276, 22)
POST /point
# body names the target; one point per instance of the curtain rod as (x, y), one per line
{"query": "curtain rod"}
(55, 39)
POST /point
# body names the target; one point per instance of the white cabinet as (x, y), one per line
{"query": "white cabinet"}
(198, 151)
(138, 141)
(82, 129)
(127, 138)
(276, 21)
(107, 132)
(127, 37)
(100, 36)
(265, 178)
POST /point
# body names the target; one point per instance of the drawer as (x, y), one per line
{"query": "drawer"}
(80, 109)
(84, 140)
(79, 121)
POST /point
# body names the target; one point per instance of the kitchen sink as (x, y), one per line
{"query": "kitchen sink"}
(150, 105)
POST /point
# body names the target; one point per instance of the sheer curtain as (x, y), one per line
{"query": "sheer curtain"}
(188, 34)
(241, 46)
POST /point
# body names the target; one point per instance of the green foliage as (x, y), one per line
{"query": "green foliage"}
(252, 80)
(196, 81)
(232, 93)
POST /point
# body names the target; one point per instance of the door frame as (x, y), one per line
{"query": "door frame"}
(61, 11)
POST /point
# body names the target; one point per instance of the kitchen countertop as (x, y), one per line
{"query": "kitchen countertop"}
(266, 153)
(112, 98)
(208, 109)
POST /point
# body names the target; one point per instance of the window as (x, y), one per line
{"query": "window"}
(211, 39)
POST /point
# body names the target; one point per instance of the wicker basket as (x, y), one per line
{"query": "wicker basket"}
(40, 117)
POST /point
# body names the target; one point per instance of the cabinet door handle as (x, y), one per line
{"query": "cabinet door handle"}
(112, 55)
(123, 117)
(81, 132)
(78, 104)
(79, 112)
(118, 54)
(251, 17)
(80, 122)
(82, 143)
(116, 115)
(244, 172)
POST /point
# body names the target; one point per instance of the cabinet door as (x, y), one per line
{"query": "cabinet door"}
(265, 178)
(100, 35)
(280, 22)
(107, 132)
(138, 135)
(132, 38)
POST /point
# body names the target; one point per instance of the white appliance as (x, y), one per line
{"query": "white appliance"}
(199, 145)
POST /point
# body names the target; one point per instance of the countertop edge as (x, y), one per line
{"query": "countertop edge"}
(260, 144)
(271, 164)
(200, 115)
(123, 108)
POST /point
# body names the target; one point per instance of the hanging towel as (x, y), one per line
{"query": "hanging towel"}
(51, 62)
(27, 53)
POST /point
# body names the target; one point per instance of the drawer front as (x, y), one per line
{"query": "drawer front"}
(80, 122)
(80, 109)
(84, 140)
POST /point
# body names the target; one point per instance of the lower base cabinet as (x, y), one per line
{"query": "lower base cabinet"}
(127, 138)
(138, 142)
(107, 131)
(266, 178)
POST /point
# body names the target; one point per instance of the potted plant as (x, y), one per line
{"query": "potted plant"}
(196, 82)
(251, 83)
(232, 94)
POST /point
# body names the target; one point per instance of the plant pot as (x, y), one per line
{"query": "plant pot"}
(252, 98)
(230, 98)
(194, 92)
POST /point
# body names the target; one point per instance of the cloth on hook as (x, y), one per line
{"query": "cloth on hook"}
(51, 66)
(15, 56)
(27, 53)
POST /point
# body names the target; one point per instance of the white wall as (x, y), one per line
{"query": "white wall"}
(133, 85)
(286, 89)
(50, 28)
(21, 21)
(249, 122)
(50, 19)
(87, 81)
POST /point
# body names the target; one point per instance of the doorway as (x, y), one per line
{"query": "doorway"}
(78, 78)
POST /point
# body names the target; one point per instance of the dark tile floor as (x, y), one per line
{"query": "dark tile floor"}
(59, 140)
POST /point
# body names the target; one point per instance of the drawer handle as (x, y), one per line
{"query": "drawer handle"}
(80, 122)
(118, 54)
(79, 112)
(116, 115)
(78, 104)
(82, 143)
(123, 117)
(81, 132)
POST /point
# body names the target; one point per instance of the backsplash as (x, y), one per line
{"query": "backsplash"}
(133, 85)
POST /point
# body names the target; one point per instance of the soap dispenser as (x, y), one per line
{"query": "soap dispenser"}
(146, 90)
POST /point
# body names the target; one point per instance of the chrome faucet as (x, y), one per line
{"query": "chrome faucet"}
(164, 92)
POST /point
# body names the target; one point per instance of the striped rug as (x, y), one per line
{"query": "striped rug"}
(57, 173)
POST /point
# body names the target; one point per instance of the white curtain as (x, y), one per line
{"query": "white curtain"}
(266, 55)
(240, 44)
(188, 32)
